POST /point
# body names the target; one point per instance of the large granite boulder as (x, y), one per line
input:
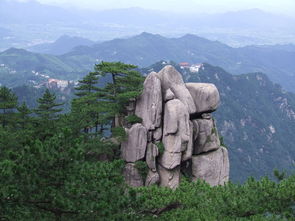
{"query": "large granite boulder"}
(132, 176)
(177, 115)
(149, 104)
(176, 134)
(187, 154)
(172, 79)
(157, 134)
(213, 167)
(206, 96)
(151, 154)
(169, 178)
(207, 138)
(134, 148)
(170, 160)
(152, 178)
(169, 95)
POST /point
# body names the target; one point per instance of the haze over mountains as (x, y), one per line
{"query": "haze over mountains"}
(31, 23)
(61, 46)
(145, 49)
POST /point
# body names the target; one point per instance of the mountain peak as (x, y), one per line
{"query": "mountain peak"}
(15, 50)
(147, 34)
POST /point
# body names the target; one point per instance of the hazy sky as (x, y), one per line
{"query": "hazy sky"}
(281, 6)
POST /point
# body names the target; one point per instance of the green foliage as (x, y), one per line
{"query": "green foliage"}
(119, 133)
(8, 102)
(87, 85)
(279, 175)
(133, 119)
(161, 147)
(213, 130)
(125, 85)
(52, 179)
(46, 109)
(142, 168)
(222, 142)
(254, 200)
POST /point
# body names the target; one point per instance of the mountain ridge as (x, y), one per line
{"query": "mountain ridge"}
(62, 45)
(146, 49)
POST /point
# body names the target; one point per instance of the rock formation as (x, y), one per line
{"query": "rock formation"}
(177, 128)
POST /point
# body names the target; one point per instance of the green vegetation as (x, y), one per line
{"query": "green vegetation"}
(142, 168)
(161, 147)
(133, 119)
(56, 166)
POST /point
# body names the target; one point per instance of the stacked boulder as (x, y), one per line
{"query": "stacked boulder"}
(177, 127)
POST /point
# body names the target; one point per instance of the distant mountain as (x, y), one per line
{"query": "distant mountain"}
(146, 49)
(62, 45)
(18, 67)
(33, 21)
(256, 119)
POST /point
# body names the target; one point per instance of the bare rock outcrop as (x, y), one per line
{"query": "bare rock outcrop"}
(169, 178)
(206, 96)
(213, 167)
(177, 133)
(134, 148)
(207, 138)
(149, 104)
(151, 156)
(152, 178)
(172, 79)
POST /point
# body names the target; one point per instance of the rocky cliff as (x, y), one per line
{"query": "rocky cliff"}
(177, 133)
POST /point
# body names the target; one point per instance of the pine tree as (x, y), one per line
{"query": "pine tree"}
(47, 106)
(125, 85)
(23, 115)
(86, 108)
(87, 85)
(47, 115)
(8, 102)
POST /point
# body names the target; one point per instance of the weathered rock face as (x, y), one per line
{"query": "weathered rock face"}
(152, 178)
(169, 95)
(151, 156)
(170, 160)
(176, 134)
(134, 148)
(132, 176)
(177, 117)
(207, 138)
(206, 96)
(171, 79)
(213, 167)
(149, 104)
(187, 154)
(169, 178)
